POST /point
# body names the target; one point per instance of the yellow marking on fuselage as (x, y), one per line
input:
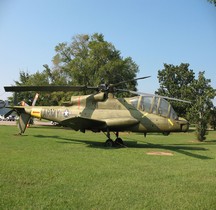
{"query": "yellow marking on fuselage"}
(171, 123)
(36, 113)
(145, 115)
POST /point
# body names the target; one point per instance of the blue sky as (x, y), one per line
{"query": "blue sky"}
(151, 32)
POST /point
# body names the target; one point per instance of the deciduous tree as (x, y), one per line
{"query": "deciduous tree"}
(179, 82)
(213, 2)
(200, 111)
(175, 82)
(87, 60)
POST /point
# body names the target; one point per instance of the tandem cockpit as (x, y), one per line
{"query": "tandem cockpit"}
(154, 105)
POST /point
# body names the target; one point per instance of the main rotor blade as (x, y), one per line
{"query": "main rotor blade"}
(126, 81)
(149, 94)
(47, 88)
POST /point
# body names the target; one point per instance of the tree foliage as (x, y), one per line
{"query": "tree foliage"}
(200, 111)
(90, 59)
(39, 78)
(179, 82)
(175, 82)
(213, 2)
(213, 118)
(87, 60)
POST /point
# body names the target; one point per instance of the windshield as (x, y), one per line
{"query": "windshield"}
(134, 101)
(157, 105)
(163, 109)
(173, 114)
(146, 103)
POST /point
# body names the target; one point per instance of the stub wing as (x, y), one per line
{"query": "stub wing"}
(17, 109)
(82, 124)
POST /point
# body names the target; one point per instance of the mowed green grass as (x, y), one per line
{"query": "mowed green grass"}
(53, 168)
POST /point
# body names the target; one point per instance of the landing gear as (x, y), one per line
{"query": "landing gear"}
(110, 143)
(119, 142)
(166, 133)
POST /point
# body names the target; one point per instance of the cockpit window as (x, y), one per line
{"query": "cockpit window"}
(145, 103)
(134, 102)
(163, 108)
(173, 114)
(157, 105)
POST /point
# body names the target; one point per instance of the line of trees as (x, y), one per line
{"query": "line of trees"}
(90, 60)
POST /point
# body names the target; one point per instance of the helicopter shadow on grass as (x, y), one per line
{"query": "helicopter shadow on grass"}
(63, 140)
(182, 149)
(185, 149)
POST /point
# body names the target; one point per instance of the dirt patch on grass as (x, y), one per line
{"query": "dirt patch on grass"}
(196, 141)
(160, 153)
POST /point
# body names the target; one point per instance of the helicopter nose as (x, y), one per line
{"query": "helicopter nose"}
(184, 124)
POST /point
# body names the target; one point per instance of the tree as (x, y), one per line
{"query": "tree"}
(213, 118)
(46, 77)
(22, 96)
(39, 78)
(89, 60)
(175, 82)
(179, 82)
(213, 2)
(200, 111)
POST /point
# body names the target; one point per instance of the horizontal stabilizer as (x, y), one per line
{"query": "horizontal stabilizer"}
(17, 109)
(8, 113)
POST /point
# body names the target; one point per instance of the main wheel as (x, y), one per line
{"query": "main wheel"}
(119, 142)
(166, 133)
(109, 143)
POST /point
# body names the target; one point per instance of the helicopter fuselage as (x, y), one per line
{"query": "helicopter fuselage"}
(99, 113)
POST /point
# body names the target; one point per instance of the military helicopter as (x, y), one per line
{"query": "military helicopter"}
(103, 111)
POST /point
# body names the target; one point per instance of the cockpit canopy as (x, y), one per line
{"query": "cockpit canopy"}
(155, 105)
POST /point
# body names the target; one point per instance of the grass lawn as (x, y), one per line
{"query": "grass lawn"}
(53, 168)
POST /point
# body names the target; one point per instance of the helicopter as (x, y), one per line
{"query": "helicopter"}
(103, 111)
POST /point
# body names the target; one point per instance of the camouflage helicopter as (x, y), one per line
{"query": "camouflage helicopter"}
(102, 111)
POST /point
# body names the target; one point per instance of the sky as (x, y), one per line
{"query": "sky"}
(150, 32)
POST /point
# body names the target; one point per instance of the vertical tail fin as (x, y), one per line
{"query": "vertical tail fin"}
(23, 121)
(24, 118)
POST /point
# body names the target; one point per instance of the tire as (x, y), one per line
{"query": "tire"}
(109, 143)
